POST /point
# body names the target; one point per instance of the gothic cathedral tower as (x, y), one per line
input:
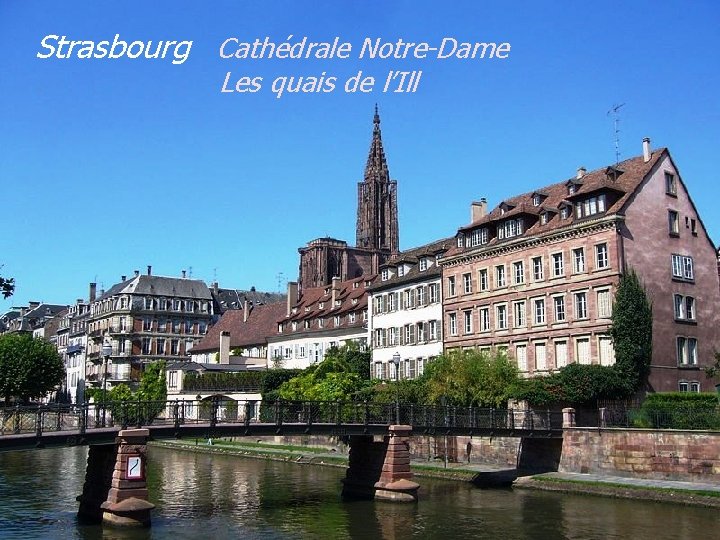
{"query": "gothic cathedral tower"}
(377, 216)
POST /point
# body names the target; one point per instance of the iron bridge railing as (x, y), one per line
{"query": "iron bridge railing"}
(81, 418)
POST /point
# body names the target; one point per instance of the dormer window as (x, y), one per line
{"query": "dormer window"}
(543, 218)
(294, 325)
(502, 210)
(356, 285)
(478, 237)
(564, 212)
(460, 240)
(536, 200)
(423, 264)
(590, 206)
(401, 270)
(337, 303)
(321, 305)
(307, 308)
(354, 301)
(510, 228)
(571, 189)
(385, 274)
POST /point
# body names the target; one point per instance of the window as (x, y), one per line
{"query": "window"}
(536, 200)
(561, 358)
(673, 223)
(601, 256)
(543, 218)
(518, 272)
(687, 351)
(452, 324)
(189, 306)
(384, 274)
(558, 264)
(392, 301)
(519, 314)
(336, 320)
(467, 315)
(682, 267)
(351, 317)
(409, 295)
(433, 331)
(604, 304)
(521, 357)
(540, 357)
(467, 283)
(147, 324)
(694, 386)
(510, 228)
(160, 346)
(539, 311)
(578, 260)
(483, 281)
(559, 305)
(478, 237)
(451, 286)
(174, 347)
(401, 270)
(484, 314)
(581, 311)
(582, 347)
(693, 226)
(590, 206)
(501, 317)
(145, 345)
(606, 351)
(500, 276)
(188, 327)
(670, 184)
(423, 264)
(564, 212)
(421, 296)
(379, 370)
(148, 303)
(460, 240)
(537, 265)
(433, 293)
(421, 332)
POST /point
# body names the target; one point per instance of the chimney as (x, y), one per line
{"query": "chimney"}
(335, 290)
(224, 347)
(292, 296)
(93, 292)
(647, 154)
(215, 287)
(123, 278)
(149, 270)
(478, 209)
(33, 304)
(580, 172)
(183, 274)
(246, 309)
(137, 273)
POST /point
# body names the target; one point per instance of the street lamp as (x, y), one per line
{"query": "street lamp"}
(396, 362)
(106, 352)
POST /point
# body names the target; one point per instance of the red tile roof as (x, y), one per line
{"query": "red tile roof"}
(261, 322)
(621, 187)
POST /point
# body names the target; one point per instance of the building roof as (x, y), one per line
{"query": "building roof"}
(412, 257)
(235, 298)
(160, 286)
(261, 322)
(619, 182)
(317, 302)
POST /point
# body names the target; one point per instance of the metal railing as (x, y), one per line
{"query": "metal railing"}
(40, 419)
(683, 418)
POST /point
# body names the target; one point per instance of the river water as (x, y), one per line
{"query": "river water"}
(213, 497)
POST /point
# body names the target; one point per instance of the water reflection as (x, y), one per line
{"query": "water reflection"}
(215, 497)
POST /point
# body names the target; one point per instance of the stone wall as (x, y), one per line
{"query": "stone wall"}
(668, 454)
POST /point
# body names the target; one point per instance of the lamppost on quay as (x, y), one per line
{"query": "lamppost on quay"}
(396, 363)
(106, 353)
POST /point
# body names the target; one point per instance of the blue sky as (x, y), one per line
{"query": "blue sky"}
(107, 166)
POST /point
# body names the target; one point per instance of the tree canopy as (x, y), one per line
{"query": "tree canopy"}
(7, 286)
(29, 367)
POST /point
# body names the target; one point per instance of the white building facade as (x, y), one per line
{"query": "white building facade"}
(405, 322)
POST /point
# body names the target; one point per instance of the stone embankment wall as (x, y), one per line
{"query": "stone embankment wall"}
(667, 454)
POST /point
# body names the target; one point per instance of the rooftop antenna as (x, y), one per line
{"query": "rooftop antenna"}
(215, 275)
(189, 272)
(614, 111)
(280, 279)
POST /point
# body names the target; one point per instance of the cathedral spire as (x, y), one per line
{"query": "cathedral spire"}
(377, 222)
(376, 169)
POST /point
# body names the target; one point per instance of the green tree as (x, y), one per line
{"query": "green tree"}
(471, 377)
(29, 367)
(631, 332)
(152, 383)
(7, 286)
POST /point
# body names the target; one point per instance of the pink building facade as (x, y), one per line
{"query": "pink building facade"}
(538, 274)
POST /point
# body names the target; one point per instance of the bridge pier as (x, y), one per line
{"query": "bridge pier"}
(115, 489)
(381, 469)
